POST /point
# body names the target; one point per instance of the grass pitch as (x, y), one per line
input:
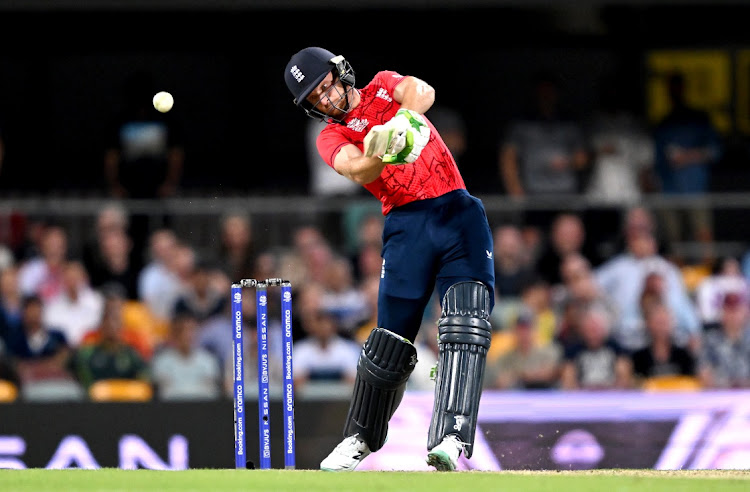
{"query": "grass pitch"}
(111, 480)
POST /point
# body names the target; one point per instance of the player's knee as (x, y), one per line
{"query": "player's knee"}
(466, 313)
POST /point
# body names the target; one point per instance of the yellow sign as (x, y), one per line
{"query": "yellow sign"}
(708, 83)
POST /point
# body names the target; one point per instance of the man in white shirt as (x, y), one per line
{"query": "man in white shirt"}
(623, 278)
(78, 308)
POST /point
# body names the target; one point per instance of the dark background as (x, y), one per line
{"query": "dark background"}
(62, 68)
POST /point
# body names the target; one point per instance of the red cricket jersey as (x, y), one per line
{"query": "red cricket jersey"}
(433, 174)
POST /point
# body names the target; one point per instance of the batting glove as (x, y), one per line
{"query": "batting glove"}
(400, 140)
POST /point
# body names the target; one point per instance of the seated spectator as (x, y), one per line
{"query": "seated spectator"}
(623, 277)
(511, 261)
(684, 314)
(726, 277)
(77, 309)
(117, 264)
(181, 369)
(42, 274)
(567, 235)
(528, 364)
(661, 357)
(200, 297)
(236, 246)
(40, 351)
(11, 300)
(341, 298)
(597, 362)
(158, 285)
(724, 361)
(112, 217)
(315, 254)
(536, 295)
(324, 355)
(579, 286)
(110, 351)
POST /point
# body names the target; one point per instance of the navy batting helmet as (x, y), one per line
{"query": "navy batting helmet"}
(307, 68)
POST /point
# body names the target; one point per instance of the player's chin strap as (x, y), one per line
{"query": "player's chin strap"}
(385, 363)
(464, 335)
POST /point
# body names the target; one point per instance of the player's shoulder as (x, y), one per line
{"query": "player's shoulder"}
(386, 77)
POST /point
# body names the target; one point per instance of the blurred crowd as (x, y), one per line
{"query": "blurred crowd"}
(565, 317)
(139, 302)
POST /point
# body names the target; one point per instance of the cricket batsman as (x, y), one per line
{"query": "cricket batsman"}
(436, 236)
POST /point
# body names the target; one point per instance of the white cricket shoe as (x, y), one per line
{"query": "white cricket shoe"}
(346, 456)
(444, 456)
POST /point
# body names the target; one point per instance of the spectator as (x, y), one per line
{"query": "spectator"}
(200, 297)
(661, 357)
(544, 152)
(567, 235)
(182, 370)
(512, 263)
(724, 360)
(598, 362)
(341, 298)
(637, 220)
(623, 277)
(622, 150)
(110, 352)
(687, 147)
(726, 277)
(30, 245)
(113, 336)
(323, 355)
(42, 275)
(77, 309)
(528, 364)
(315, 252)
(11, 301)
(40, 351)
(112, 217)
(117, 265)
(157, 283)
(237, 252)
(579, 287)
(536, 296)
(687, 328)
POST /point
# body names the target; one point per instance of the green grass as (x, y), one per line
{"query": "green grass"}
(38, 480)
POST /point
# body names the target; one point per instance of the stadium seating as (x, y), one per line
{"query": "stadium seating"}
(671, 383)
(8, 391)
(112, 390)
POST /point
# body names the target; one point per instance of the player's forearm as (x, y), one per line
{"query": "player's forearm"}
(364, 170)
(352, 164)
